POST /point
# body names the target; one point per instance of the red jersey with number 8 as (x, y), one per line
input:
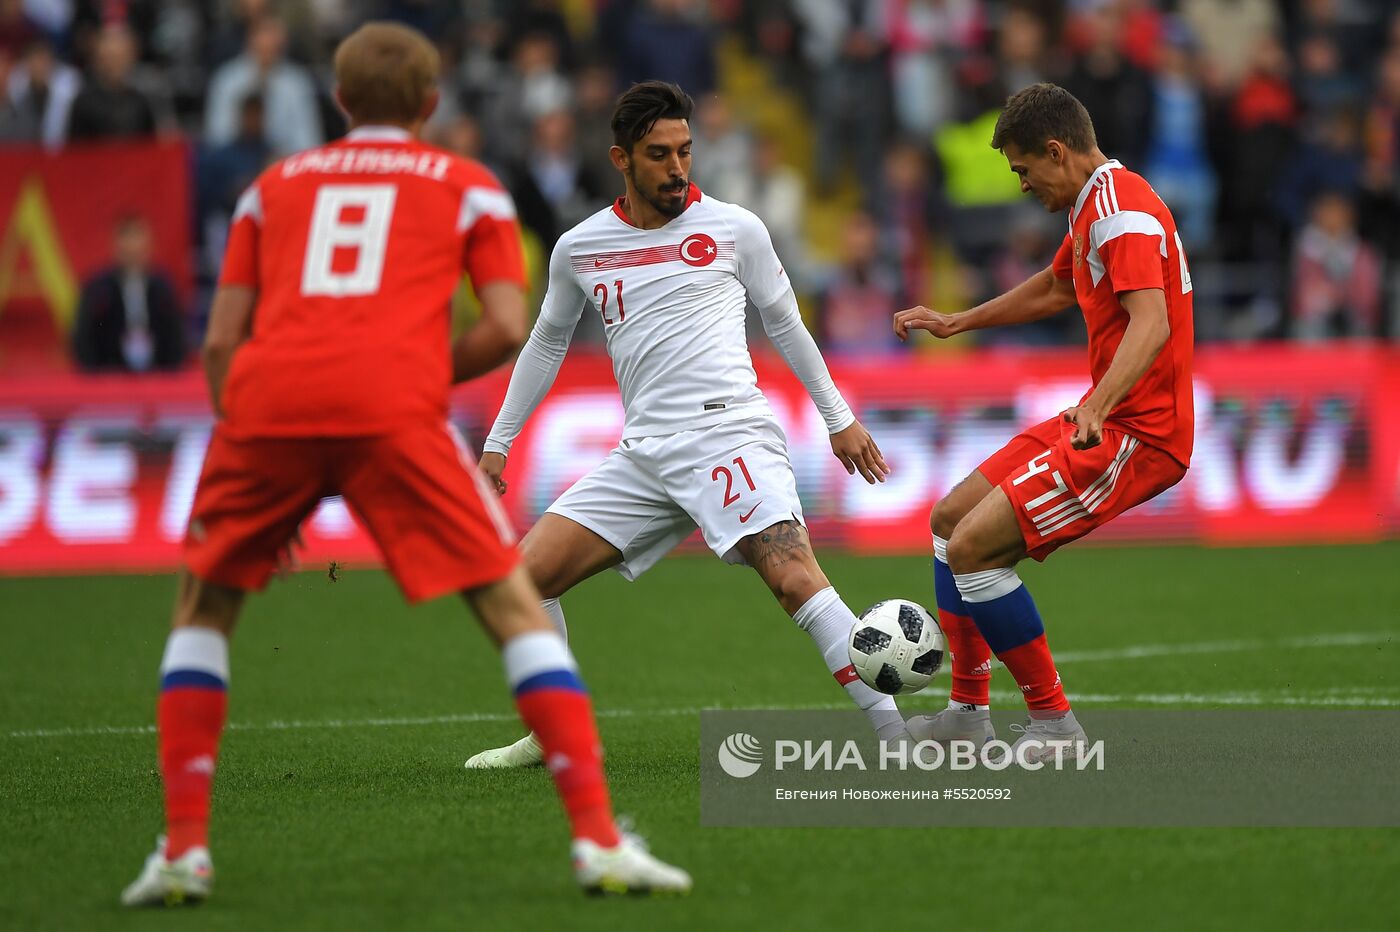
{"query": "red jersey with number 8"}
(1122, 238)
(355, 250)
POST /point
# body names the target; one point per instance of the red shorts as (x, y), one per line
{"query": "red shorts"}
(416, 491)
(1060, 493)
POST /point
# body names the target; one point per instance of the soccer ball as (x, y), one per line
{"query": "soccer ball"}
(897, 647)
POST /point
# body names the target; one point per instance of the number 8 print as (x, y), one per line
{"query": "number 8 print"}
(330, 231)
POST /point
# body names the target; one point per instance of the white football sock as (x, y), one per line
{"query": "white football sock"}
(555, 611)
(198, 649)
(829, 622)
(533, 653)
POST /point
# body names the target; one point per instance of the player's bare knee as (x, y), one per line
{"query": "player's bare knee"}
(546, 563)
(944, 518)
(986, 547)
(545, 573)
(965, 555)
(952, 508)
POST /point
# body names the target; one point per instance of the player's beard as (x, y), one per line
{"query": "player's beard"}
(665, 200)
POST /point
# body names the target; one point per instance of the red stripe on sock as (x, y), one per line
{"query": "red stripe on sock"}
(972, 659)
(1034, 671)
(190, 721)
(846, 675)
(562, 720)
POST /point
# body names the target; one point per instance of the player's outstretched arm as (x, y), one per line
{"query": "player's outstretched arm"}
(768, 287)
(782, 321)
(539, 362)
(496, 336)
(850, 441)
(1042, 295)
(1148, 331)
(230, 323)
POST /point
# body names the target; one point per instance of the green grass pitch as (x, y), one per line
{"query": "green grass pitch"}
(341, 800)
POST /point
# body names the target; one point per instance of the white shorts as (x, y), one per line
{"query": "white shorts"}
(731, 480)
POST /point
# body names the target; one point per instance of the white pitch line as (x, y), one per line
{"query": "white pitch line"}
(1328, 699)
(337, 723)
(1344, 639)
(1332, 697)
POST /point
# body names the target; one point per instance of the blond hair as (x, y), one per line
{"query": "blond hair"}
(385, 73)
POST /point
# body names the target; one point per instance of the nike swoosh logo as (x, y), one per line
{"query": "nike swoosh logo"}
(743, 519)
(599, 263)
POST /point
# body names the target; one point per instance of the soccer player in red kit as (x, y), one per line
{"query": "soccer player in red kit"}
(1128, 440)
(329, 364)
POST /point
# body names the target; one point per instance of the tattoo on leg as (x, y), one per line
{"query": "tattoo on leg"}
(779, 544)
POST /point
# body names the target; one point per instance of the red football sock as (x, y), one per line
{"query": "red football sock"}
(972, 659)
(1034, 671)
(190, 720)
(562, 720)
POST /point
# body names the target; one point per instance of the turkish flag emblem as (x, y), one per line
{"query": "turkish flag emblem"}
(698, 249)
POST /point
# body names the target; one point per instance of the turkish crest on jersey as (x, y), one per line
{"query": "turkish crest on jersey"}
(698, 249)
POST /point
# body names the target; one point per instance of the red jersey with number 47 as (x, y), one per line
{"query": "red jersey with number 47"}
(355, 250)
(1122, 238)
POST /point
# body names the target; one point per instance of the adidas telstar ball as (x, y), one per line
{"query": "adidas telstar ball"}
(897, 646)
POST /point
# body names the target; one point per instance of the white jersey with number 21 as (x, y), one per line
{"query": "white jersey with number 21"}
(672, 303)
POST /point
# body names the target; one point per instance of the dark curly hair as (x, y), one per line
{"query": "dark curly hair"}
(641, 105)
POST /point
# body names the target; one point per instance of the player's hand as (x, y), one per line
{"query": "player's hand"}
(1088, 424)
(289, 557)
(491, 466)
(856, 450)
(922, 318)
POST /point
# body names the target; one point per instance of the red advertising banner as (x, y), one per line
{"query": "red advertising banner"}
(1293, 445)
(57, 227)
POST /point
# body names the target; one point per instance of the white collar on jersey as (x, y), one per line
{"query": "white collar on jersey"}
(1084, 191)
(379, 134)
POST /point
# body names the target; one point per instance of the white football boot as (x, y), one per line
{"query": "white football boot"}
(626, 868)
(1048, 736)
(524, 753)
(187, 879)
(963, 723)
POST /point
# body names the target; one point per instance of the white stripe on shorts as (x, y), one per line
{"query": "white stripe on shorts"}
(488, 496)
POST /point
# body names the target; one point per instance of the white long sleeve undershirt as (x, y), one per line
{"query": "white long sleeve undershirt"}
(530, 380)
(782, 321)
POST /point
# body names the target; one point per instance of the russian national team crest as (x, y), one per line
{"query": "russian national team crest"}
(1078, 249)
(698, 249)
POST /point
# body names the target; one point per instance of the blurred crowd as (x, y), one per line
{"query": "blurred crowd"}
(1271, 128)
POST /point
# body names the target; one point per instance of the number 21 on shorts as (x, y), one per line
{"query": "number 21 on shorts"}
(730, 496)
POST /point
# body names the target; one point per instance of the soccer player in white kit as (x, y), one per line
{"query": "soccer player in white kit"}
(669, 271)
